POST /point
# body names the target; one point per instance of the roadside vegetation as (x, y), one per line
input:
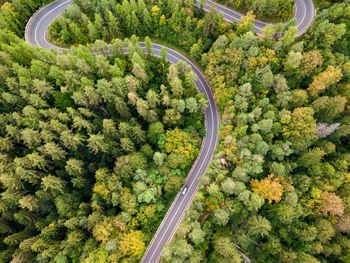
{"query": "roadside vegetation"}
(15, 14)
(92, 149)
(278, 187)
(325, 3)
(180, 24)
(272, 11)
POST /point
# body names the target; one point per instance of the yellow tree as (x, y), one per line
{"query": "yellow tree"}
(9, 17)
(310, 61)
(178, 141)
(246, 23)
(325, 79)
(156, 15)
(223, 95)
(104, 231)
(269, 188)
(132, 245)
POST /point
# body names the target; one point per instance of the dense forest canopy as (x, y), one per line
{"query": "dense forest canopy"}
(278, 189)
(15, 13)
(94, 148)
(179, 22)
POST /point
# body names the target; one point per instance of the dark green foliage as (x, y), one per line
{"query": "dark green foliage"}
(77, 164)
(63, 100)
(174, 21)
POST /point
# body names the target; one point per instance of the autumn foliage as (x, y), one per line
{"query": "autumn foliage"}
(271, 188)
(132, 244)
(321, 82)
(310, 61)
(331, 204)
(178, 141)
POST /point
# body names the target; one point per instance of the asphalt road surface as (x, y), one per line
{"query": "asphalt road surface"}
(35, 34)
(304, 13)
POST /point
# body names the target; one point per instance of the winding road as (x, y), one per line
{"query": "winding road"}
(304, 14)
(35, 34)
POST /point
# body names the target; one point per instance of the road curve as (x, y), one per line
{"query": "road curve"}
(35, 34)
(304, 14)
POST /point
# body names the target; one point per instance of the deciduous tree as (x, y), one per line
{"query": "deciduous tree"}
(331, 204)
(270, 188)
(301, 130)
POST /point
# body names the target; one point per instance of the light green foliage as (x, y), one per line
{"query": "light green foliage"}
(226, 251)
(327, 109)
(228, 186)
(258, 225)
(191, 105)
(255, 202)
(269, 113)
(293, 60)
(302, 128)
(158, 158)
(182, 249)
(220, 217)
(197, 235)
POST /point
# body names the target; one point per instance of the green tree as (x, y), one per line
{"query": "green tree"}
(301, 130)
(197, 235)
(328, 108)
(127, 145)
(155, 130)
(258, 226)
(182, 249)
(191, 105)
(74, 167)
(97, 143)
(220, 216)
(158, 158)
(149, 46)
(163, 53)
(226, 251)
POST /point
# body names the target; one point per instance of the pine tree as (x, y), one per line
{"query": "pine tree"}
(149, 46)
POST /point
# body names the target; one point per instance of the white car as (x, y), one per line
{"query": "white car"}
(184, 191)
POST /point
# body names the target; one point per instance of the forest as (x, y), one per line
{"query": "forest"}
(278, 189)
(92, 148)
(95, 146)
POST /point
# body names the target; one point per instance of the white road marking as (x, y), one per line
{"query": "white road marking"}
(198, 171)
(176, 60)
(204, 142)
(302, 20)
(52, 10)
(156, 47)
